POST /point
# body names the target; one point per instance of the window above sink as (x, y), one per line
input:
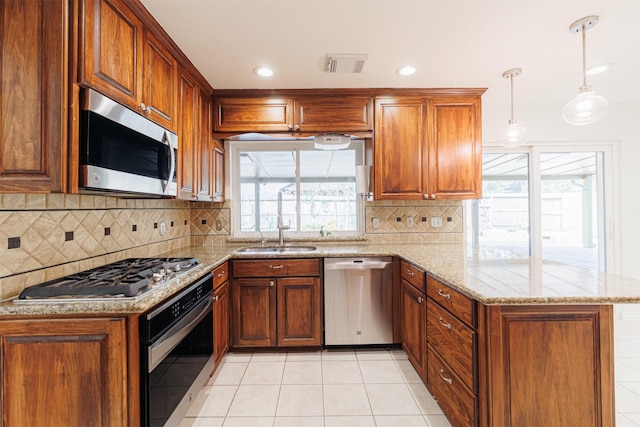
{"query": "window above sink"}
(318, 189)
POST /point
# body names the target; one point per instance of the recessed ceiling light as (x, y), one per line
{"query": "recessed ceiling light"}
(264, 71)
(597, 69)
(406, 71)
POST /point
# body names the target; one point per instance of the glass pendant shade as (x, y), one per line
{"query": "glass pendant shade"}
(585, 108)
(513, 135)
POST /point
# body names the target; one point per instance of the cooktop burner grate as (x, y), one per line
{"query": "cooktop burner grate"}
(126, 278)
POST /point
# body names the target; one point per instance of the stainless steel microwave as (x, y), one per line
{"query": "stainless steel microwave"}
(123, 152)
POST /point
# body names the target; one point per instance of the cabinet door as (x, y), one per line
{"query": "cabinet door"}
(299, 311)
(254, 312)
(113, 50)
(221, 322)
(400, 156)
(455, 148)
(188, 168)
(253, 114)
(414, 316)
(334, 114)
(160, 82)
(64, 372)
(218, 168)
(550, 365)
(33, 95)
(206, 151)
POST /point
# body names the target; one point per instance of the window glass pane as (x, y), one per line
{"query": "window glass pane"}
(326, 202)
(501, 218)
(569, 208)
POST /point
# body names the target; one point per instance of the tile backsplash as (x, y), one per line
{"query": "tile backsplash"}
(411, 221)
(46, 236)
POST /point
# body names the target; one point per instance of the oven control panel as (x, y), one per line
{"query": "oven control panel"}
(169, 312)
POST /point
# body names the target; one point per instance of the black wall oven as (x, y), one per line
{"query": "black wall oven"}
(176, 342)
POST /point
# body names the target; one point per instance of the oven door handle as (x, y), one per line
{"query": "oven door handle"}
(170, 339)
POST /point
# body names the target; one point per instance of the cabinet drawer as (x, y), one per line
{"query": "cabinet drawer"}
(453, 340)
(412, 274)
(458, 403)
(276, 267)
(459, 305)
(220, 275)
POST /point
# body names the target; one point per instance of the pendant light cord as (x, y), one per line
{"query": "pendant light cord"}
(511, 79)
(584, 56)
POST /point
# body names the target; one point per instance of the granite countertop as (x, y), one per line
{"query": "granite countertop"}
(489, 276)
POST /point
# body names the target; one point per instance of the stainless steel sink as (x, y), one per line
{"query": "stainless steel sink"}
(276, 249)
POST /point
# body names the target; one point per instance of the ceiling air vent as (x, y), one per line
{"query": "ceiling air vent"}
(345, 62)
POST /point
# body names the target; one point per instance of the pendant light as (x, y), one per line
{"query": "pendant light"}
(514, 134)
(586, 107)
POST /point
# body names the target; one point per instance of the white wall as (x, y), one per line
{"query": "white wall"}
(621, 127)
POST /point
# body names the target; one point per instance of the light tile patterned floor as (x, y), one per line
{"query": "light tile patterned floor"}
(357, 389)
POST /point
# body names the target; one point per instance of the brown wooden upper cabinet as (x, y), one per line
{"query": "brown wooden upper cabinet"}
(428, 148)
(33, 96)
(126, 62)
(302, 114)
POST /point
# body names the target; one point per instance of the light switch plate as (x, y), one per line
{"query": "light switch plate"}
(409, 221)
(436, 222)
(375, 223)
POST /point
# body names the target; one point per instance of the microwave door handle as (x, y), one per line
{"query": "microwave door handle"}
(172, 162)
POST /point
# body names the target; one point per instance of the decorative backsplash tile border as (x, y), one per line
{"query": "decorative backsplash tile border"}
(414, 221)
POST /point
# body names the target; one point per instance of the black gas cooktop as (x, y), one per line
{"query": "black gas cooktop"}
(127, 278)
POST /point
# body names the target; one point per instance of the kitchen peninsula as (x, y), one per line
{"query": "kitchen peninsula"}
(536, 323)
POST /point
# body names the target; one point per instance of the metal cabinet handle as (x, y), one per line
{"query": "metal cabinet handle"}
(144, 108)
(420, 299)
(410, 273)
(216, 298)
(433, 196)
(449, 380)
(426, 196)
(296, 128)
(276, 267)
(290, 127)
(446, 325)
(221, 273)
(271, 283)
(443, 295)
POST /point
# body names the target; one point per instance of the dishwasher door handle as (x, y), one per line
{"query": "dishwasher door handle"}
(354, 265)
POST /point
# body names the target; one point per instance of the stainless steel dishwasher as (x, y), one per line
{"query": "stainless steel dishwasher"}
(357, 301)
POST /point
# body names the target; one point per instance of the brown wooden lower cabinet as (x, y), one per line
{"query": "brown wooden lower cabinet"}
(276, 302)
(455, 399)
(550, 365)
(414, 327)
(221, 305)
(70, 372)
(536, 365)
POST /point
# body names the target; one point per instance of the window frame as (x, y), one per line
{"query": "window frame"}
(608, 249)
(238, 146)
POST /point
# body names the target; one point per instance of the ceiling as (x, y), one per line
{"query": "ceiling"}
(452, 43)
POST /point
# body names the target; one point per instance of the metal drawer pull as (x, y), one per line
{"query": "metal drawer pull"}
(410, 273)
(276, 267)
(443, 295)
(449, 380)
(446, 325)
(221, 273)
(271, 283)
(420, 299)
(216, 298)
